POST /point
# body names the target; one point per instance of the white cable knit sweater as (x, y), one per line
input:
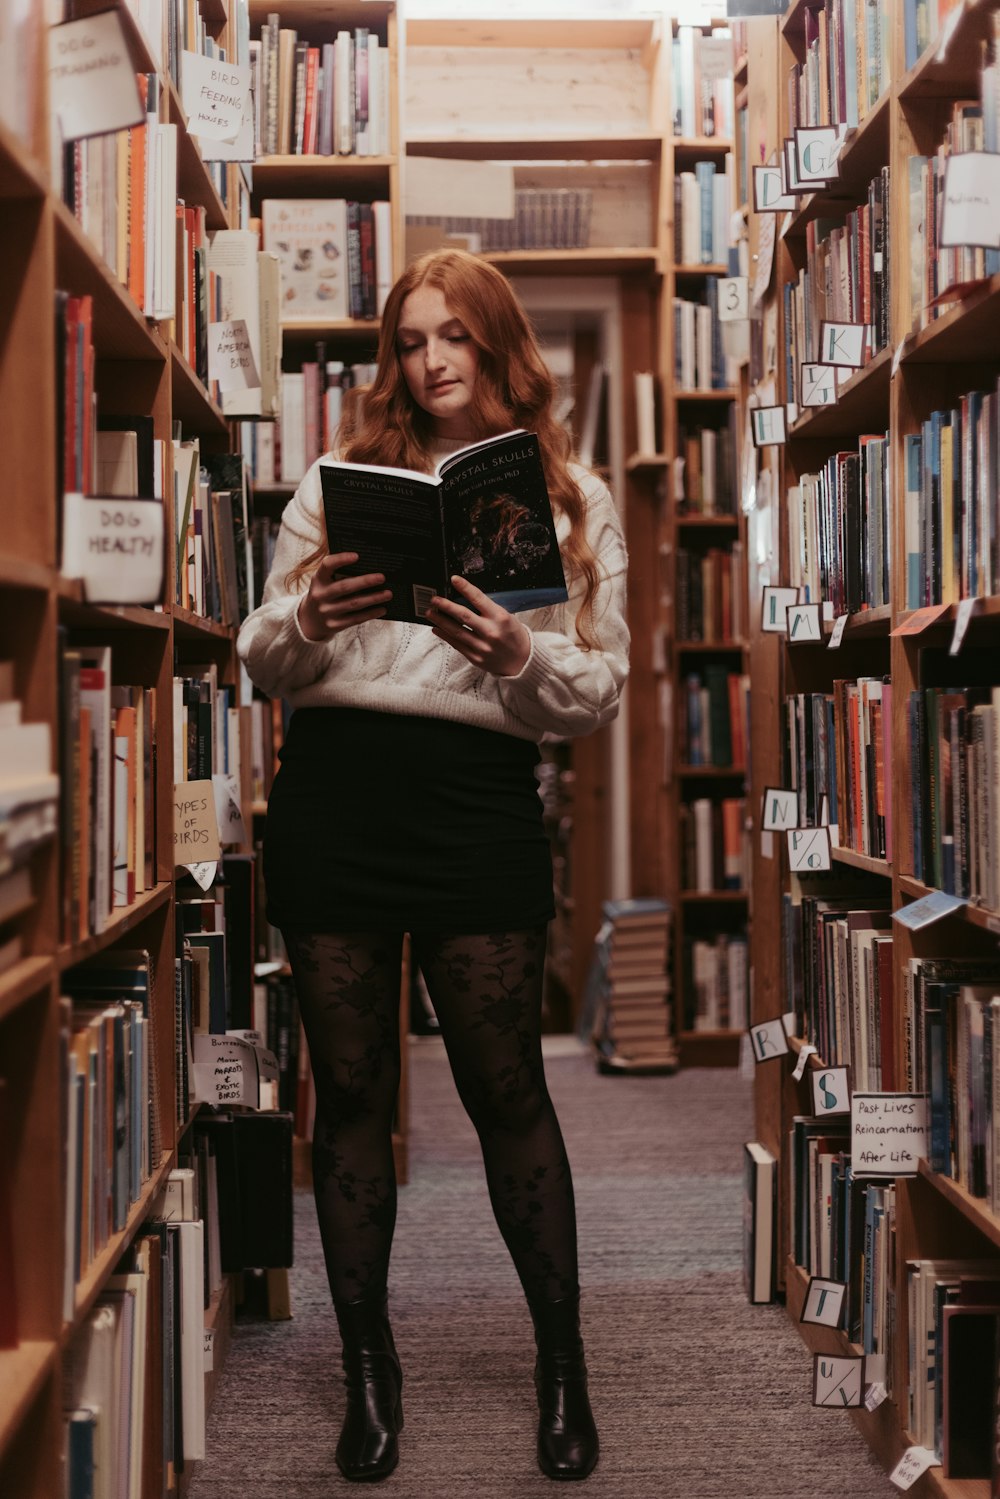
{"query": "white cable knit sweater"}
(562, 690)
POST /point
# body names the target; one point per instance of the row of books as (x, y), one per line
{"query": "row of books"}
(713, 718)
(122, 188)
(716, 982)
(704, 478)
(312, 404)
(29, 805)
(702, 82)
(952, 471)
(955, 807)
(703, 210)
(715, 850)
(331, 99)
(107, 762)
(134, 1392)
(840, 536)
(206, 725)
(700, 362)
(545, 218)
(626, 1014)
(213, 512)
(837, 751)
(266, 738)
(846, 68)
(935, 268)
(838, 969)
(841, 1227)
(335, 256)
(710, 594)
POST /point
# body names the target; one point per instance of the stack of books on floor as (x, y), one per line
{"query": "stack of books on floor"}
(627, 1010)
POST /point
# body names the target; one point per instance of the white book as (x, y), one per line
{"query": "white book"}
(722, 212)
(687, 73)
(701, 809)
(134, 1286)
(90, 1381)
(164, 248)
(690, 238)
(192, 1341)
(98, 699)
(382, 215)
(703, 349)
(645, 411)
(343, 93)
(232, 255)
(293, 428)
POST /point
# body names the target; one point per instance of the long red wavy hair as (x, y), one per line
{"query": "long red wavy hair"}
(513, 388)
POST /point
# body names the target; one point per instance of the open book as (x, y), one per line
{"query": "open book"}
(483, 515)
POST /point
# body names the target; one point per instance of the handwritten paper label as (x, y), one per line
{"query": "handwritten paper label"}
(824, 1302)
(806, 1051)
(838, 1382)
(842, 344)
(116, 546)
(215, 95)
(927, 910)
(780, 808)
(831, 1091)
(767, 425)
(204, 873)
(839, 626)
(230, 357)
(790, 170)
(888, 1133)
(769, 1039)
(920, 620)
(734, 298)
(774, 609)
(802, 623)
(970, 213)
(228, 811)
(874, 1395)
(816, 151)
(209, 1346)
(92, 83)
(196, 827)
(769, 195)
(965, 611)
(808, 850)
(225, 1071)
(914, 1462)
(818, 384)
(267, 1062)
(766, 233)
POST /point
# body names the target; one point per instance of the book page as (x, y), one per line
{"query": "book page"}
(393, 521)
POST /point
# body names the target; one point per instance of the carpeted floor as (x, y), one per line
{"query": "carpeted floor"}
(697, 1395)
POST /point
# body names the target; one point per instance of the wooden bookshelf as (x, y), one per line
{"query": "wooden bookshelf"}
(139, 369)
(917, 372)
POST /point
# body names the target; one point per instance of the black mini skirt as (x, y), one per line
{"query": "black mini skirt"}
(387, 822)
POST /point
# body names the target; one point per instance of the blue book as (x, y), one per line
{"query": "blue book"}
(81, 1426)
(705, 173)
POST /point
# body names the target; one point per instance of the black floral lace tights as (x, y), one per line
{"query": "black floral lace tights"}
(486, 992)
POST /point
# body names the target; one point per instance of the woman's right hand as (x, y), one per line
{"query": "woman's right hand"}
(334, 604)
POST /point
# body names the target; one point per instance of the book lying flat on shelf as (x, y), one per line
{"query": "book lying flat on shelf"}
(484, 514)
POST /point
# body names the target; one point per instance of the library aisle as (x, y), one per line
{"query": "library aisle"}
(697, 1394)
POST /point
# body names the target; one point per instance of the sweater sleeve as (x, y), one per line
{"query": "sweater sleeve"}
(277, 656)
(564, 689)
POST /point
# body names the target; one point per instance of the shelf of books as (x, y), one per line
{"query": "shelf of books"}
(872, 394)
(133, 1028)
(702, 612)
(569, 196)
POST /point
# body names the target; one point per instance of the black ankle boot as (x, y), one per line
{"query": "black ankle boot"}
(367, 1449)
(567, 1436)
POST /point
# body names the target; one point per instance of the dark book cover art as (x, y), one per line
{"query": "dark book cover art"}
(485, 516)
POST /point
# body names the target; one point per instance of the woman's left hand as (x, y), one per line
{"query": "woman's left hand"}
(493, 640)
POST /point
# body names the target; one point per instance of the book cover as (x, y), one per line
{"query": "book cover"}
(759, 1184)
(484, 515)
(309, 237)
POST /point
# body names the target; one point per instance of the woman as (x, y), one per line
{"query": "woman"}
(406, 801)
